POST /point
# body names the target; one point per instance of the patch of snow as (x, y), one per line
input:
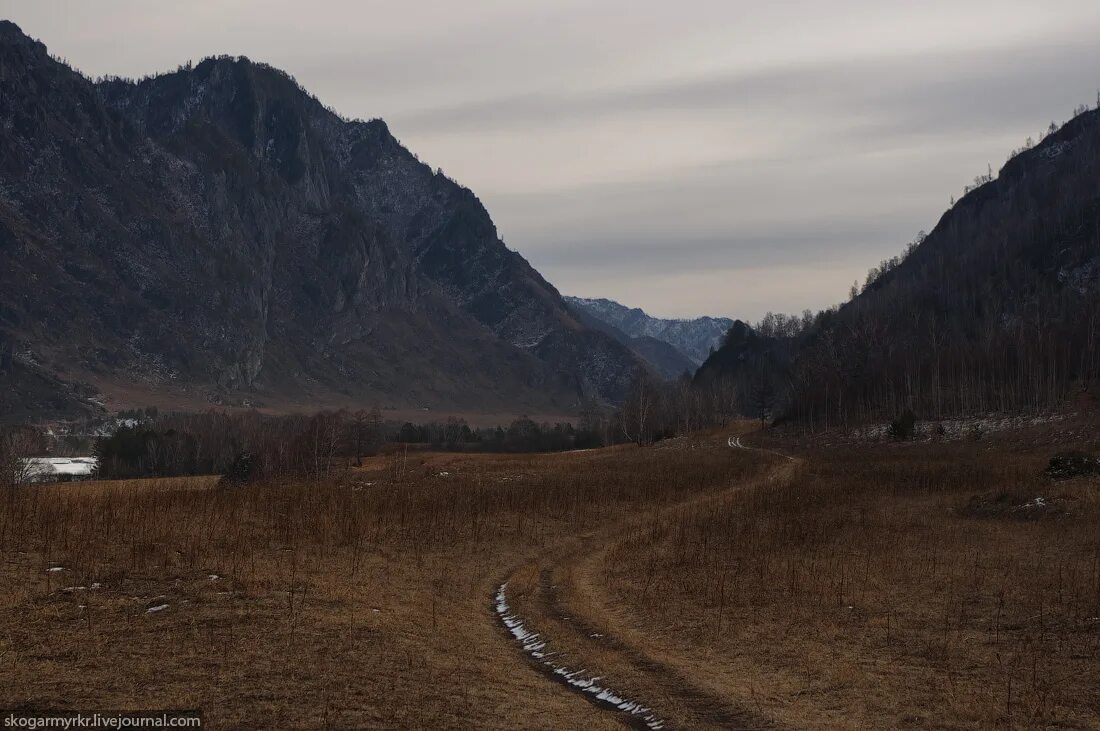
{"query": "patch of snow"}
(1036, 503)
(1055, 149)
(960, 428)
(157, 608)
(54, 569)
(48, 469)
(534, 646)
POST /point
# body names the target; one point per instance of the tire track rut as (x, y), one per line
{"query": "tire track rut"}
(643, 692)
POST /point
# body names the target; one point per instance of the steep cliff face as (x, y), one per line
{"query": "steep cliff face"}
(218, 231)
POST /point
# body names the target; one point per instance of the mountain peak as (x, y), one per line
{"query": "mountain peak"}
(8, 28)
(12, 36)
(217, 231)
(694, 337)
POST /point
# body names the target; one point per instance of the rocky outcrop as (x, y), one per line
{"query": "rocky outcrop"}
(218, 230)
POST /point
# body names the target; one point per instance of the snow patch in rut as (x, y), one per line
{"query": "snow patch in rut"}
(536, 648)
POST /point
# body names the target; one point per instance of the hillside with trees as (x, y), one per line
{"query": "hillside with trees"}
(997, 309)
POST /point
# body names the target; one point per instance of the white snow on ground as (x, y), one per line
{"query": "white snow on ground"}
(535, 647)
(954, 429)
(157, 608)
(53, 569)
(48, 469)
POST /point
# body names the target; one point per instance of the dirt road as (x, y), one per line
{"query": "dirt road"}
(552, 607)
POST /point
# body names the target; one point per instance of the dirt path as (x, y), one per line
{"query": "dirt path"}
(551, 606)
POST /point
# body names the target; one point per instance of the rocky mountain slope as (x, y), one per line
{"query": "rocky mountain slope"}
(996, 310)
(695, 338)
(217, 233)
(662, 358)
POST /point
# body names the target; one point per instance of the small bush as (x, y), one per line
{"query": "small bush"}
(904, 427)
(245, 468)
(1066, 465)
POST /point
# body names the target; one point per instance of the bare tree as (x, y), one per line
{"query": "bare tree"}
(359, 426)
(16, 446)
(762, 395)
(637, 411)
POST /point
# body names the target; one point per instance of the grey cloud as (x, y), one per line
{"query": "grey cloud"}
(911, 94)
(809, 245)
(709, 155)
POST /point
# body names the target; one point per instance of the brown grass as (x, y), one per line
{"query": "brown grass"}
(359, 603)
(882, 587)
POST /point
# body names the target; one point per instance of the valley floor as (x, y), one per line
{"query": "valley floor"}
(934, 585)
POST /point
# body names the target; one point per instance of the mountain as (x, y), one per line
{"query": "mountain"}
(662, 358)
(996, 310)
(216, 234)
(695, 338)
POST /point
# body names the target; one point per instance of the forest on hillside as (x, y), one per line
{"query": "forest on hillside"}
(996, 310)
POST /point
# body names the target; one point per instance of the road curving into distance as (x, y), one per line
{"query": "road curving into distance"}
(548, 606)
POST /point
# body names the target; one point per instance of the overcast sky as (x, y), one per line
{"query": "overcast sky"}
(697, 157)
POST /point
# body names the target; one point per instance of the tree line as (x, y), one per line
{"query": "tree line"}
(244, 446)
(253, 446)
(521, 435)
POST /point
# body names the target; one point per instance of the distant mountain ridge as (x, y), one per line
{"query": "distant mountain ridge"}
(661, 357)
(218, 234)
(694, 337)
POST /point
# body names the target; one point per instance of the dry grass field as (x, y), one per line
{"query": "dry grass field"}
(915, 586)
(361, 603)
(893, 586)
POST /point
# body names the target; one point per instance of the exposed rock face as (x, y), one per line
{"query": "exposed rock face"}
(217, 230)
(695, 338)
